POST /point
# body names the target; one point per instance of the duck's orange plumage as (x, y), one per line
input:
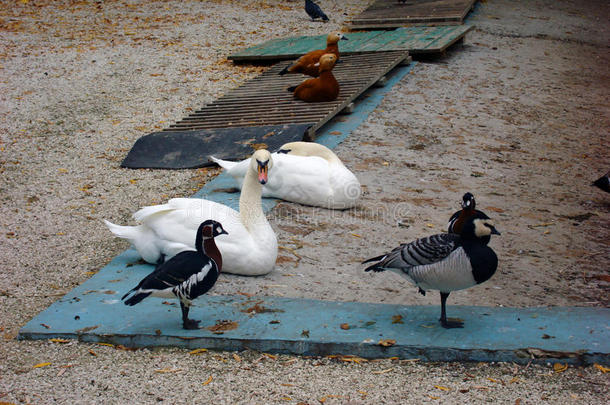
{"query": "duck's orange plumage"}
(306, 64)
(322, 88)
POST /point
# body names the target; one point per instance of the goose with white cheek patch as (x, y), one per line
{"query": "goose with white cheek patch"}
(306, 173)
(249, 249)
(445, 262)
(185, 276)
(468, 210)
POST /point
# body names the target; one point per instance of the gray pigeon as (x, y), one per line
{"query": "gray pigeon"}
(314, 11)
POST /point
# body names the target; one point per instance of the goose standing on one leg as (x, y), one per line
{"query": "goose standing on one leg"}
(185, 276)
(306, 173)
(468, 210)
(445, 262)
(250, 248)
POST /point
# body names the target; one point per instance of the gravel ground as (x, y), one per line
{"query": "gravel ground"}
(518, 114)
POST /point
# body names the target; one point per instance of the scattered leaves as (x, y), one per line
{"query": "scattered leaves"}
(601, 368)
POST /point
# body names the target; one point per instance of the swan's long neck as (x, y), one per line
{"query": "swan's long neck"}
(250, 206)
(313, 149)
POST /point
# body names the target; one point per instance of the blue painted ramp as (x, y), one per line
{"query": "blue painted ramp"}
(93, 312)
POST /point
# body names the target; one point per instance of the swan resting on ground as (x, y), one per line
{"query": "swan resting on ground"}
(306, 173)
(250, 248)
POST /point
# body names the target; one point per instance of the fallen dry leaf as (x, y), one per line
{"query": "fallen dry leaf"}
(57, 340)
(440, 387)
(560, 368)
(344, 326)
(167, 370)
(601, 368)
(382, 371)
(236, 357)
(206, 382)
(397, 319)
(387, 342)
(222, 325)
(39, 365)
(198, 351)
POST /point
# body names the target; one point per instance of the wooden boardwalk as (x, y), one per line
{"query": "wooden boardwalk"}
(261, 112)
(415, 40)
(264, 100)
(392, 14)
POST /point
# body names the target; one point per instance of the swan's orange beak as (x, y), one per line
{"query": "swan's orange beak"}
(263, 169)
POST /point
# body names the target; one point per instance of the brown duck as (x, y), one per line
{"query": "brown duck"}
(306, 64)
(322, 88)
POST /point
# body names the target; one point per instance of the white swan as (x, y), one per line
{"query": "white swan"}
(250, 248)
(306, 173)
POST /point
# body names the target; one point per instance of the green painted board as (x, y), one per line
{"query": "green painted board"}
(416, 40)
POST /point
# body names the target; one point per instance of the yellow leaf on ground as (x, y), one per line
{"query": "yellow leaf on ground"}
(198, 351)
(167, 370)
(560, 368)
(601, 368)
(383, 371)
(206, 382)
(387, 342)
(440, 387)
(236, 357)
(42, 365)
(57, 340)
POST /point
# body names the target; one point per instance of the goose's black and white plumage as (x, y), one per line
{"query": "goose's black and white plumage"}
(445, 262)
(468, 210)
(314, 11)
(185, 276)
(603, 183)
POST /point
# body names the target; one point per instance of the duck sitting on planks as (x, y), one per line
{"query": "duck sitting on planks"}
(322, 88)
(306, 64)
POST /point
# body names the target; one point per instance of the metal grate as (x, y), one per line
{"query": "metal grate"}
(265, 100)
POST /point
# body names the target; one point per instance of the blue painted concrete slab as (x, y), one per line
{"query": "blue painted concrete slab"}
(93, 311)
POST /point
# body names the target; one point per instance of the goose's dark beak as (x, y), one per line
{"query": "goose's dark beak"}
(494, 231)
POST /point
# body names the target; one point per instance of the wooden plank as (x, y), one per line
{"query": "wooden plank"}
(390, 13)
(415, 40)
